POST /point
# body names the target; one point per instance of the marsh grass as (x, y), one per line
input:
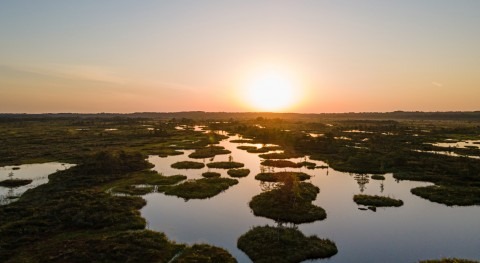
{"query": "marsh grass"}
(449, 194)
(188, 165)
(375, 200)
(280, 176)
(284, 155)
(201, 188)
(377, 177)
(281, 163)
(449, 260)
(208, 152)
(238, 172)
(292, 205)
(211, 174)
(204, 253)
(12, 183)
(225, 165)
(283, 245)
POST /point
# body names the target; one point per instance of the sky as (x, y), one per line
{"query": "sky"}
(187, 55)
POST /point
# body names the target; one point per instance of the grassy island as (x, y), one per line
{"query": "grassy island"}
(280, 176)
(375, 200)
(225, 165)
(449, 195)
(377, 177)
(211, 174)
(15, 182)
(238, 172)
(289, 203)
(208, 152)
(201, 188)
(188, 165)
(284, 155)
(283, 245)
(449, 260)
(281, 163)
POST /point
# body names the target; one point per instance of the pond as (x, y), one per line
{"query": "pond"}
(417, 230)
(37, 172)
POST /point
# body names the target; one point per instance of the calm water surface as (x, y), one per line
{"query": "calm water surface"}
(418, 230)
(38, 172)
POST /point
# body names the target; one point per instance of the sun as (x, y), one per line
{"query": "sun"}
(271, 90)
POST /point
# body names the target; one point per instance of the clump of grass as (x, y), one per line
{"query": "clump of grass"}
(201, 188)
(448, 260)
(264, 149)
(289, 205)
(238, 172)
(281, 163)
(188, 165)
(449, 195)
(211, 174)
(208, 152)
(309, 165)
(284, 155)
(246, 148)
(204, 253)
(134, 190)
(375, 200)
(279, 244)
(225, 165)
(165, 152)
(242, 141)
(15, 182)
(280, 176)
(378, 177)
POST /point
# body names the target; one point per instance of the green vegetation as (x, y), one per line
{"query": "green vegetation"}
(142, 182)
(225, 165)
(281, 176)
(242, 141)
(449, 195)
(449, 260)
(238, 172)
(264, 149)
(208, 152)
(72, 210)
(201, 188)
(291, 202)
(211, 174)
(281, 163)
(15, 182)
(283, 245)
(377, 177)
(205, 254)
(188, 165)
(375, 200)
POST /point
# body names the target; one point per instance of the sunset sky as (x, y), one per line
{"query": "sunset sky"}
(336, 56)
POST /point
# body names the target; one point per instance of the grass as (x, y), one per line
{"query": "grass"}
(188, 165)
(133, 190)
(72, 219)
(211, 174)
(280, 176)
(208, 152)
(204, 253)
(377, 177)
(294, 208)
(375, 200)
(225, 165)
(281, 163)
(449, 195)
(266, 244)
(241, 141)
(284, 155)
(238, 172)
(15, 182)
(253, 149)
(201, 188)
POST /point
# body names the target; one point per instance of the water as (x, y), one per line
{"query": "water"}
(37, 172)
(418, 230)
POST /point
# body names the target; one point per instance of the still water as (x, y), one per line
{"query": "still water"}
(418, 230)
(37, 172)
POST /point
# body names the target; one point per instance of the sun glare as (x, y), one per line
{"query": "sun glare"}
(271, 91)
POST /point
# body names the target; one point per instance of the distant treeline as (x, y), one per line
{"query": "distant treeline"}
(201, 115)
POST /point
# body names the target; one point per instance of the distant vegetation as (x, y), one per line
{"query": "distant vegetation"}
(378, 177)
(281, 163)
(201, 188)
(208, 152)
(15, 182)
(211, 174)
(449, 260)
(449, 195)
(375, 200)
(281, 176)
(279, 244)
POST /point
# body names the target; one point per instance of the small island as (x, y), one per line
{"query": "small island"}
(376, 201)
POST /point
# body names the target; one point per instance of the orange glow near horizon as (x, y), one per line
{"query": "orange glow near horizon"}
(271, 90)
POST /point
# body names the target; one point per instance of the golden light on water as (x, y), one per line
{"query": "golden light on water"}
(272, 90)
